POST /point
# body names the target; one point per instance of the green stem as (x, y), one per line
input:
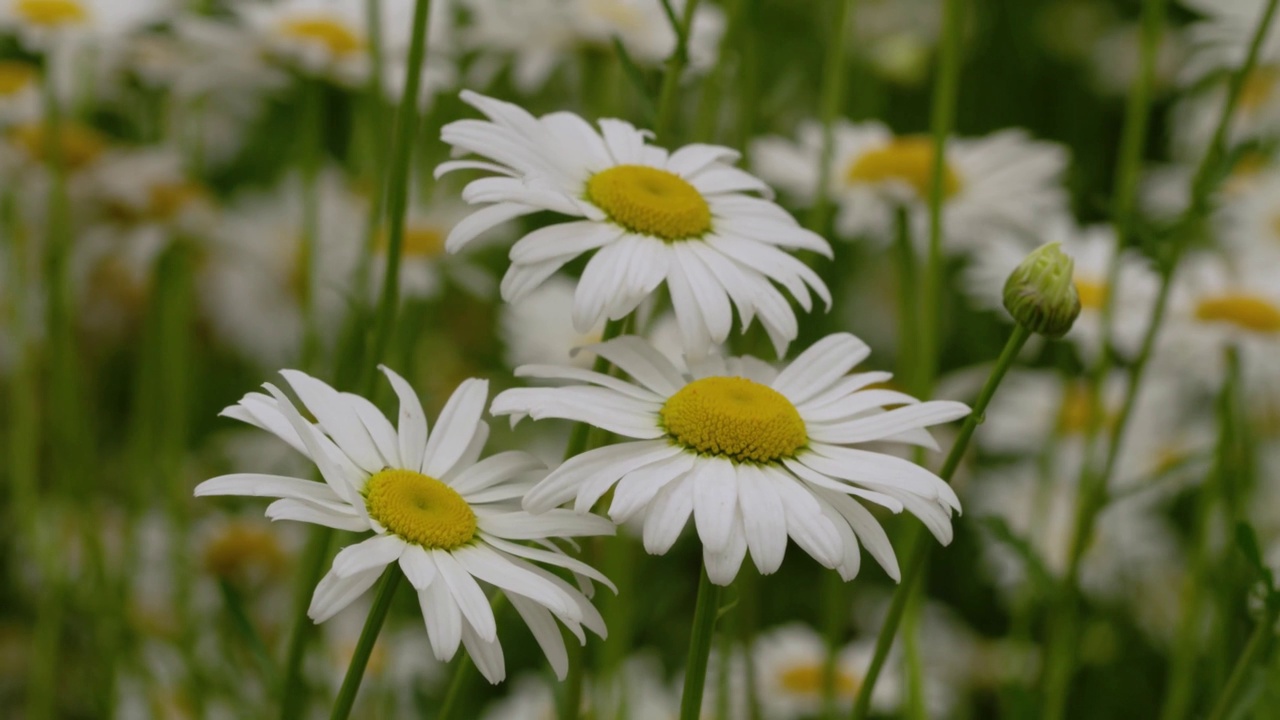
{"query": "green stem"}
(908, 300)
(704, 623)
(1257, 642)
(23, 448)
(675, 68)
(1189, 647)
(1094, 485)
(833, 84)
(240, 619)
(918, 546)
(461, 673)
(397, 188)
(835, 611)
(945, 93)
(364, 646)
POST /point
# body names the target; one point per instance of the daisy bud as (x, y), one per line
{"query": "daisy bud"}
(1041, 295)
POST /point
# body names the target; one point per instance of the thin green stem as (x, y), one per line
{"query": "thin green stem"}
(918, 546)
(397, 187)
(835, 611)
(833, 84)
(461, 673)
(675, 68)
(942, 122)
(704, 624)
(243, 624)
(364, 646)
(1257, 642)
(908, 300)
(1094, 485)
(1189, 645)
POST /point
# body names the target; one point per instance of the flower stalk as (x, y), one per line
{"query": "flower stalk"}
(364, 646)
(704, 623)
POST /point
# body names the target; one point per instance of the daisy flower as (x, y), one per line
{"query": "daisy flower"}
(1220, 39)
(788, 662)
(19, 92)
(1092, 248)
(755, 455)
(1249, 220)
(1003, 182)
(433, 506)
(1215, 305)
(42, 24)
(535, 37)
(251, 284)
(424, 265)
(653, 217)
(329, 38)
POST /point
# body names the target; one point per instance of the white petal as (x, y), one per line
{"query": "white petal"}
(723, 566)
(256, 485)
(487, 565)
(765, 527)
(569, 372)
(302, 511)
(470, 598)
(667, 516)
(550, 558)
(606, 464)
(638, 488)
(868, 530)
(338, 480)
(893, 422)
(378, 551)
(487, 654)
(380, 429)
(545, 631)
(482, 220)
(337, 418)
(821, 365)
(412, 430)
(806, 524)
(443, 619)
(334, 593)
(494, 470)
(563, 241)
(418, 567)
(715, 502)
(455, 427)
(638, 358)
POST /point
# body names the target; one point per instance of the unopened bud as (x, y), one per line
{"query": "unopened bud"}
(1041, 293)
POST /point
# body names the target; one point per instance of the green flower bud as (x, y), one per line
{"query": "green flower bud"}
(1041, 293)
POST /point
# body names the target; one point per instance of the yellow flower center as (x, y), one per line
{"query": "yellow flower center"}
(649, 201)
(1258, 87)
(421, 241)
(81, 144)
(245, 554)
(1093, 295)
(420, 509)
(15, 77)
(905, 159)
(1247, 311)
(736, 418)
(52, 13)
(807, 680)
(1074, 415)
(324, 30)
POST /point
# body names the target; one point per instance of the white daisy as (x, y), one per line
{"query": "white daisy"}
(1003, 182)
(535, 37)
(1220, 40)
(755, 455)
(424, 265)
(42, 24)
(1132, 558)
(447, 517)
(1214, 306)
(1249, 220)
(788, 664)
(330, 37)
(252, 280)
(539, 330)
(1092, 249)
(682, 218)
(19, 92)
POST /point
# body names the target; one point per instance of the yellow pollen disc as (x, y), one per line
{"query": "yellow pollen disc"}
(51, 13)
(807, 680)
(1258, 87)
(736, 418)
(244, 554)
(15, 77)
(1247, 311)
(905, 159)
(420, 509)
(1093, 295)
(330, 32)
(81, 144)
(649, 201)
(421, 241)
(1074, 415)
